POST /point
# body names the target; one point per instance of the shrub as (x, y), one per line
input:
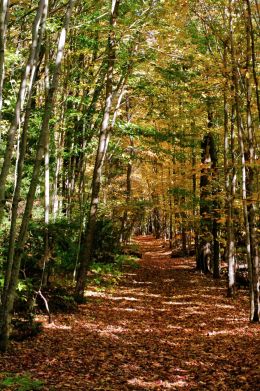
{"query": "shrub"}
(20, 383)
(106, 241)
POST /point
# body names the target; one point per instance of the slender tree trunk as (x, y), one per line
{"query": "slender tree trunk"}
(253, 54)
(124, 226)
(20, 103)
(20, 165)
(57, 176)
(252, 210)
(46, 175)
(170, 222)
(229, 169)
(194, 193)
(230, 184)
(208, 160)
(157, 220)
(88, 129)
(156, 213)
(215, 208)
(215, 231)
(184, 239)
(242, 153)
(195, 212)
(7, 310)
(4, 4)
(86, 249)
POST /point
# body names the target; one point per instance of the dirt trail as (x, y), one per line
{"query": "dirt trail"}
(164, 327)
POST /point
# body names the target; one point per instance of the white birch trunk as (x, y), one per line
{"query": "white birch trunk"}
(24, 87)
(4, 4)
(7, 308)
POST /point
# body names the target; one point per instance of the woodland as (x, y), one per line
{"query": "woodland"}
(129, 194)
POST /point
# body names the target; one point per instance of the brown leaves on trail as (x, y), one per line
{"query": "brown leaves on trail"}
(164, 327)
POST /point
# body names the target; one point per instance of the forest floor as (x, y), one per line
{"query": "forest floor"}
(163, 327)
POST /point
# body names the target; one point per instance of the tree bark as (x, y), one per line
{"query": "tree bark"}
(86, 248)
(230, 180)
(245, 179)
(20, 103)
(251, 174)
(4, 4)
(124, 226)
(20, 165)
(7, 308)
(46, 175)
(253, 54)
(208, 160)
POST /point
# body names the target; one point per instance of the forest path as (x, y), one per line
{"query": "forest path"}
(164, 327)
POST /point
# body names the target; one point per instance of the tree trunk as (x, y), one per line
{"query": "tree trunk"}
(184, 240)
(245, 182)
(124, 226)
(208, 159)
(251, 171)
(157, 221)
(216, 248)
(253, 54)
(230, 179)
(230, 185)
(46, 176)
(86, 248)
(4, 4)
(194, 208)
(20, 165)
(20, 102)
(170, 220)
(10, 295)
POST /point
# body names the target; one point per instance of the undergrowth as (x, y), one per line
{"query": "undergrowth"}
(104, 275)
(23, 382)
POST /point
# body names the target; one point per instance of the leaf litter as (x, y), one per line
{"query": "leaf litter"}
(163, 327)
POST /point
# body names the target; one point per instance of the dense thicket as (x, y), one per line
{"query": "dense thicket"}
(127, 117)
